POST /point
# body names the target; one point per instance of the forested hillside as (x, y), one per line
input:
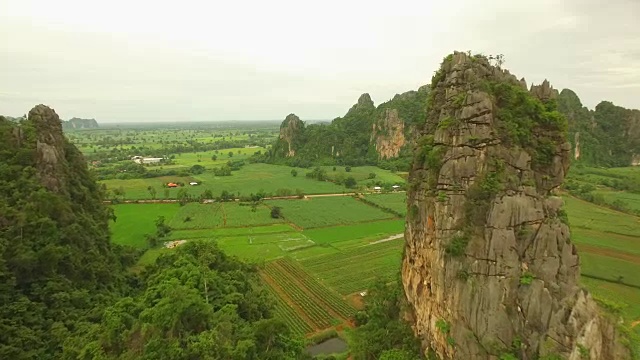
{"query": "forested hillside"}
(365, 135)
(66, 291)
(368, 135)
(607, 136)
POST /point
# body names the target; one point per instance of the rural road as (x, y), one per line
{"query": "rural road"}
(392, 237)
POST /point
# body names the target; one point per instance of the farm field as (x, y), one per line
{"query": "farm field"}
(251, 179)
(327, 211)
(134, 221)
(318, 305)
(207, 216)
(394, 201)
(362, 174)
(354, 269)
(329, 248)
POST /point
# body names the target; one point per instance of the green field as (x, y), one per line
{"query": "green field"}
(328, 211)
(588, 216)
(354, 269)
(363, 232)
(208, 216)
(362, 174)
(134, 221)
(394, 201)
(251, 179)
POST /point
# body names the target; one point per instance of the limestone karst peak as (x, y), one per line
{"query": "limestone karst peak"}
(488, 259)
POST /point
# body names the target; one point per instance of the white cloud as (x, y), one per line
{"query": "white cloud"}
(213, 60)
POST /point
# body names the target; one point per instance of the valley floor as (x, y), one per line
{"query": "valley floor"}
(321, 257)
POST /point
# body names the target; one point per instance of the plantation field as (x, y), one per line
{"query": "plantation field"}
(251, 179)
(227, 232)
(627, 298)
(610, 268)
(394, 201)
(631, 200)
(134, 221)
(585, 215)
(362, 174)
(207, 216)
(328, 211)
(354, 269)
(318, 305)
(363, 232)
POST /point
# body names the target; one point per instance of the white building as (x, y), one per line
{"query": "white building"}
(141, 160)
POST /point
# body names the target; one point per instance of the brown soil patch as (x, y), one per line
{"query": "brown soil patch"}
(609, 252)
(635, 323)
(356, 300)
(288, 300)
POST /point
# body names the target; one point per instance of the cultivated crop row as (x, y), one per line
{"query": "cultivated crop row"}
(314, 311)
(349, 254)
(286, 313)
(332, 300)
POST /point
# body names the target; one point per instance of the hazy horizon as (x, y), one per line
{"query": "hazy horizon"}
(144, 61)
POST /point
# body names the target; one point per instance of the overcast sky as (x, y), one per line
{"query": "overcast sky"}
(139, 60)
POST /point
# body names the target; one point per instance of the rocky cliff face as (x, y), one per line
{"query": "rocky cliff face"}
(290, 132)
(489, 268)
(49, 145)
(388, 134)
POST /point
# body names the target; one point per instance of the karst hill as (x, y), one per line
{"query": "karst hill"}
(489, 269)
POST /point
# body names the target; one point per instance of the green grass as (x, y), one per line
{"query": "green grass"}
(230, 232)
(328, 211)
(585, 215)
(361, 174)
(394, 201)
(627, 296)
(203, 216)
(252, 178)
(610, 268)
(262, 247)
(367, 231)
(631, 200)
(356, 268)
(134, 221)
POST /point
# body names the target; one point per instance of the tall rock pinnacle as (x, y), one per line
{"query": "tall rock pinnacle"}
(489, 268)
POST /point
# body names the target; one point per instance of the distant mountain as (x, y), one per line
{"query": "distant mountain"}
(78, 123)
(366, 134)
(383, 135)
(606, 136)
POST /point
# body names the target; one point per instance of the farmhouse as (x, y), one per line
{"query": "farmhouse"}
(395, 187)
(172, 185)
(193, 183)
(377, 188)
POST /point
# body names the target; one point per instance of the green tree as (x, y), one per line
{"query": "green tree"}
(152, 191)
(196, 169)
(347, 169)
(276, 212)
(350, 182)
(230, 153)
(214, 157)
(183, 196)
(294, 172)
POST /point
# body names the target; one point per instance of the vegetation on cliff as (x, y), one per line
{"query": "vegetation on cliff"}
(607, 136)
(355, 138)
